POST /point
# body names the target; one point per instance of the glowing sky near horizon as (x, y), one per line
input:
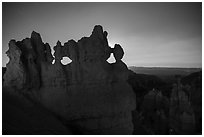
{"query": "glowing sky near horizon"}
(151, 34)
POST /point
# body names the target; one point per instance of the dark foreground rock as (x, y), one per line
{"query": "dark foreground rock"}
(20, 116)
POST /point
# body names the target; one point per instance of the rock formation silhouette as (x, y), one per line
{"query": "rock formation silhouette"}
(182, 117)
(154, 110)
(89, 93)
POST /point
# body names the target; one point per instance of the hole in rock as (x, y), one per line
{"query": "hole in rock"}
(66, 60)
(53, 62)
(111, 59)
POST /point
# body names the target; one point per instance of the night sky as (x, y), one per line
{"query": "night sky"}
(151, 34)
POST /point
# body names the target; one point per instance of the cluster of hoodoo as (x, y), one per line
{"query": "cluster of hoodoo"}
(90, 93)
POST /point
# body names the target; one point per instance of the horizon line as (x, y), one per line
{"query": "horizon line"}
(157, 67)
(164, 67)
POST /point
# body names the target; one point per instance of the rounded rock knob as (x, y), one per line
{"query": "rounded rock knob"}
(118, 52)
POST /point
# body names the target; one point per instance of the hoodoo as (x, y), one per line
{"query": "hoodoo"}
(89, 93)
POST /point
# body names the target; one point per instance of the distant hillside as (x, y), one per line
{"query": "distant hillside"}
(142, 83)
(164, 71)
(166, 74)
(193, 79)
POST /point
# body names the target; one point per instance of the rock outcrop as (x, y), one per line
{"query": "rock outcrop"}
(182, 117)
(15, 75)
(154, 110)
(90, 93)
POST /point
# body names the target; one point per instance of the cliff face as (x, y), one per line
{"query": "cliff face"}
(89, 91)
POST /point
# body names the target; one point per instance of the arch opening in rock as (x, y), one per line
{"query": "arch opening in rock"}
(111, 59)
(66, 60)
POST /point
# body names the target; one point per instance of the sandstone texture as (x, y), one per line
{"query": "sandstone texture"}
(89, 93)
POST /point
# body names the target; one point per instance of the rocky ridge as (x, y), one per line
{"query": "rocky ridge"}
(89, 92)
